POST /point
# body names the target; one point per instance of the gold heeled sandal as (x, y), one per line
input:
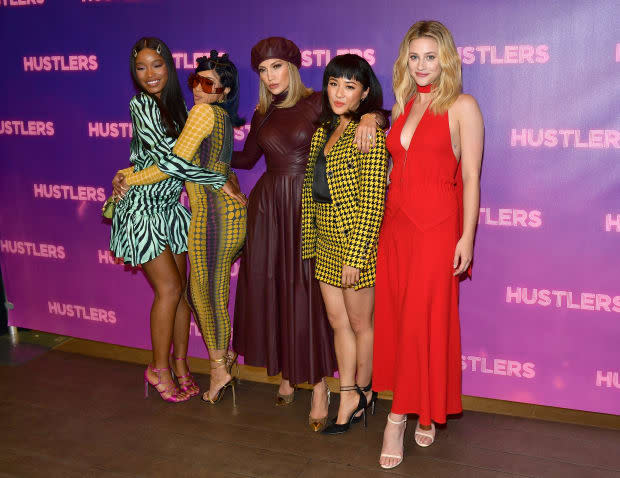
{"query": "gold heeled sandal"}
(285, 400)
(221, 362)
(318, 424)
(232, 361)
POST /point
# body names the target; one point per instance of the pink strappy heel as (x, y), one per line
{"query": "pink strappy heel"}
(186, 382)
(167, 390)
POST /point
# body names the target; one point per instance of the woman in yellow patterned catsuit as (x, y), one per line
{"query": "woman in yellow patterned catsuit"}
(218, 226)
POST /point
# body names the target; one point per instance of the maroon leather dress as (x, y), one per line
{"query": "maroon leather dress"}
(280, 321)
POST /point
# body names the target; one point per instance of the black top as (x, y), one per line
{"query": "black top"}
(320, 188)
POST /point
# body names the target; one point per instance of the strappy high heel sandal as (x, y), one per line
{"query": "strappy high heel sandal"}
(168, 391)
(371, 404)
(420, 432)
(232, 361)
(398, 457)
(318, 424)
(221, 362)
(338, 428)
(186, 382)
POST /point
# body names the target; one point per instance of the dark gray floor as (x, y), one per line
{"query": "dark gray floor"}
(68, 415)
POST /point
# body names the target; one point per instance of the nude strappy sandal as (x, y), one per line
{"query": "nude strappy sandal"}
(424, 433)
(400, 457)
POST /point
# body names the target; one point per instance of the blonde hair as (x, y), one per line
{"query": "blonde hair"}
(296, 91)
(448, 86)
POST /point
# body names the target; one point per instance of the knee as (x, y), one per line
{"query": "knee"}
(183, 282)
(169, 290)
(338, 322)
(361, 324)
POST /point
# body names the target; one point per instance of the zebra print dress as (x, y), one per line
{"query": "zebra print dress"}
(149, 218)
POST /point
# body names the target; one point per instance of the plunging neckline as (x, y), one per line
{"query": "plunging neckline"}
(337, 141)
(400, 141)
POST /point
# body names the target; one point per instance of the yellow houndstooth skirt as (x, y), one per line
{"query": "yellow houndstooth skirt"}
(330, 252)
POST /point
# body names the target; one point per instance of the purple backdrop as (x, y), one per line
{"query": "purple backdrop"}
(541, 318)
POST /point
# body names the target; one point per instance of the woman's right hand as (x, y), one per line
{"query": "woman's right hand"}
(350, 276)
(117, 187)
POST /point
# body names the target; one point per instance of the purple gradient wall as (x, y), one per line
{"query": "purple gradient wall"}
(541, 317)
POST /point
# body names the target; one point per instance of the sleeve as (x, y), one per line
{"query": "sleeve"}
(162, 150)
(252, 152)
(369, 210)
(308, 206)
(126, 171)
(150, 175)
(316, 100)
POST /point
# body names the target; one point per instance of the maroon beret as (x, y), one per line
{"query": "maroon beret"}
(275, 47)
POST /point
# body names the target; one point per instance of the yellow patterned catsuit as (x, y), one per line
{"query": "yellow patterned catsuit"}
(218, 226)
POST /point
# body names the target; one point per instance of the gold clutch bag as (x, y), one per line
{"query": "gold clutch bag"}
(107, 210)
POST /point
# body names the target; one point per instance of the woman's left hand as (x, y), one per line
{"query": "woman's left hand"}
(463, 255)
(366, 133)
(234, 192)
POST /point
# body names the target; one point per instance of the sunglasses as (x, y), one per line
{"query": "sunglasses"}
(205, 83)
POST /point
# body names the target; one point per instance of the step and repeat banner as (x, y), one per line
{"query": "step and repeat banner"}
(541, 317)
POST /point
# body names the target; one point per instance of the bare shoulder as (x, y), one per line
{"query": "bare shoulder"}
(465, 104)
(465, 110)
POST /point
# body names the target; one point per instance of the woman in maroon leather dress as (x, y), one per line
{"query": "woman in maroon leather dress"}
(280, 321)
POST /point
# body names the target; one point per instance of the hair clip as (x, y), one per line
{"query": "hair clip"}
(158, 49)
(134, 52)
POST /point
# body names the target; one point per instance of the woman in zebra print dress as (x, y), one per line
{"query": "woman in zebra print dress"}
(150, 225)
(217, 230)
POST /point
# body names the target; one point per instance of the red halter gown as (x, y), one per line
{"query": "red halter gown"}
(417, 348)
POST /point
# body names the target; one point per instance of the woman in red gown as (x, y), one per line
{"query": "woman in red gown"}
(427, 236)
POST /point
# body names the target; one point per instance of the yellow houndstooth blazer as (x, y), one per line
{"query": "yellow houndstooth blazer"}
(357, 184)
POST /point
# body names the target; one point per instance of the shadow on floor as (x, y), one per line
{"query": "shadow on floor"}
(28, 345)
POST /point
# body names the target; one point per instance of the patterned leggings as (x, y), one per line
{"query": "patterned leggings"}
(216, 236)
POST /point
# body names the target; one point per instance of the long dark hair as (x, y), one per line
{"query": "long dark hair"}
(171, 103)
(229, 77)
(351, 67)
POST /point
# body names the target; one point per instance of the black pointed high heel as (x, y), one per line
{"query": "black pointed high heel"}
(371, 404)
(338, 428)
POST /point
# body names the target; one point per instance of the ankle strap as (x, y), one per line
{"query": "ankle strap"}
(157, 370)
(367, 388)
(221, 362)
(396, 423)
(348, 388)
(180, 358)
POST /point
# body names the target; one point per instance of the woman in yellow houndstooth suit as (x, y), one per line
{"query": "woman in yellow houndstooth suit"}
(342, 209)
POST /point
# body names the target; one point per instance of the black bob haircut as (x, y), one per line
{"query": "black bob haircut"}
(229, 77)
(351, 67)
(171, 103)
